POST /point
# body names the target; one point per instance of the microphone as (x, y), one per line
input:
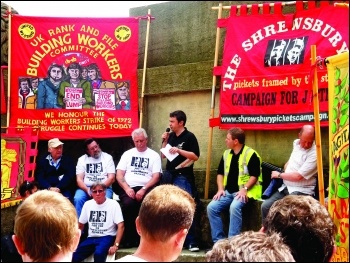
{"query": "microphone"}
(167, 130)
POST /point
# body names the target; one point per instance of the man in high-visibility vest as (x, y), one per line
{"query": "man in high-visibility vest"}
(239, 179)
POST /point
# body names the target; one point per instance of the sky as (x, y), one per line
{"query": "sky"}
(77, 8)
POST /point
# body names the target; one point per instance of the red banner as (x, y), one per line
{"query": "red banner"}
(265, 77)
(74, 77)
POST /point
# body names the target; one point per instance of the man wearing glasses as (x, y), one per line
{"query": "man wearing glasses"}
(106, 226)
(138, 172)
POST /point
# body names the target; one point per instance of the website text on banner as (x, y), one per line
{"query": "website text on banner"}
(266, 67)
(86, 70)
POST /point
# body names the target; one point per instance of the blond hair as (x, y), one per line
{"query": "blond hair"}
(165, 211)
(46, 224)
(250, 246)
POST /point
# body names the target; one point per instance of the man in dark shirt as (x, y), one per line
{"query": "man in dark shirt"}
(185, 144)
(55, 171)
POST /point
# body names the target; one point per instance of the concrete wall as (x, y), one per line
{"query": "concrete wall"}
(180, 59)
(179, 76)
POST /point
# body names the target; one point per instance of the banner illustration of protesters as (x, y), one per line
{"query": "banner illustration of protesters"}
(48, 89)
(102, 98)
(26, 97)
(73, 81)
(123, 97)
(84, 73)
(34, 83)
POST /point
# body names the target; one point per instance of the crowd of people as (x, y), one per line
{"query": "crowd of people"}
(160, 218)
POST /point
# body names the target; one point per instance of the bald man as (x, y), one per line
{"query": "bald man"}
(300, 173)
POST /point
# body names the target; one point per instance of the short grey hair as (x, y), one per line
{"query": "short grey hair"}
(139, 131)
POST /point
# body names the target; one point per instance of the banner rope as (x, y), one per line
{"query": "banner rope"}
(259, 5)
(146, 17)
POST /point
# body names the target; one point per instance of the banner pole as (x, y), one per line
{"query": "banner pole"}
(37, 129)
(212, 108)
(9, 69)
(317, 126)
(144, 66)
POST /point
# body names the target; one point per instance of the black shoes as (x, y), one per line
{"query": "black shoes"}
(193, 248)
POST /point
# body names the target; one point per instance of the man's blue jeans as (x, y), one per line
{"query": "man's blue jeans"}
(81, 197)
(214, 210)
(98, 246)
(183, 183)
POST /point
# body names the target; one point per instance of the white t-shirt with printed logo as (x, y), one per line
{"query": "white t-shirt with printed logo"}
(95, 170)
(102, 218)
(139, 166)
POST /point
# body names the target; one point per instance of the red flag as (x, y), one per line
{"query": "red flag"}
(266, 66)
(68, 54)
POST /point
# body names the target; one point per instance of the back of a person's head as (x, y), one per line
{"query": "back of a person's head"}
(27, 186)
(46, 224)
(250, 246)
(165, 211)
(305, 225)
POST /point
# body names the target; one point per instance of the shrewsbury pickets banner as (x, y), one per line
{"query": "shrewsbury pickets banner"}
(265, 76)
(74, 77)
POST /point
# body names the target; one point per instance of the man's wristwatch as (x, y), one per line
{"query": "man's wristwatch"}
(116, 244)
(246, 188)
(144, 188)
(279, 175)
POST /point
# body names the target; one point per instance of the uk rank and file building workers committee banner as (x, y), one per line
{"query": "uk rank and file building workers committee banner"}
(74, 77)
(265, 73)
(338, 189)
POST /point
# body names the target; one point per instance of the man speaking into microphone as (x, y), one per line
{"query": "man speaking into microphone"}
(180, 169)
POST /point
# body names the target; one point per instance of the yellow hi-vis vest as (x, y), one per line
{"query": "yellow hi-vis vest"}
(243, 176)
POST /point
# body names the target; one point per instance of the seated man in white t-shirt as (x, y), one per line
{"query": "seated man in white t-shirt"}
(92, 167)
(138, 171)
(105, 223)
(300, 172)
